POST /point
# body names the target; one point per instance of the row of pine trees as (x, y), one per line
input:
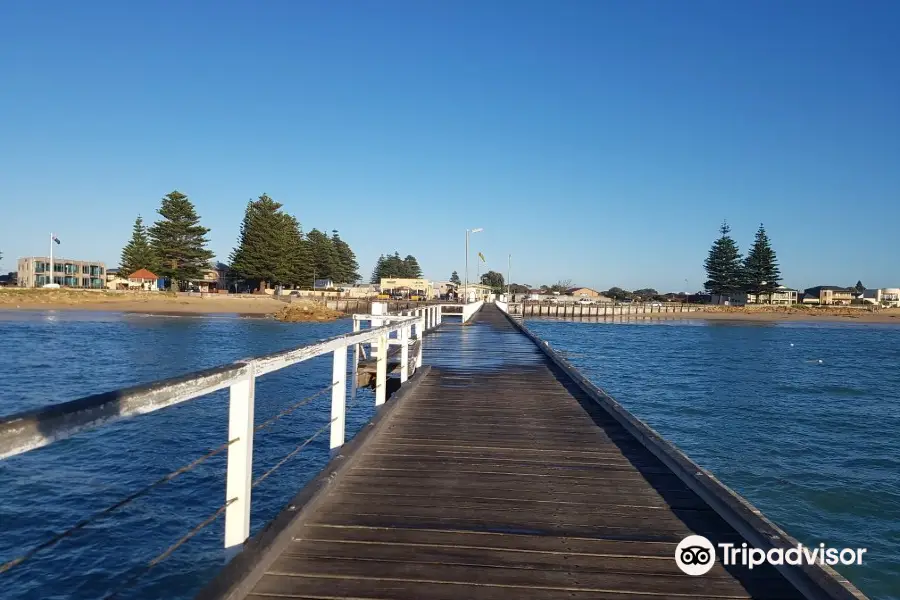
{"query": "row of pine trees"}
(729, 273)
(394, 267)
(271, 250)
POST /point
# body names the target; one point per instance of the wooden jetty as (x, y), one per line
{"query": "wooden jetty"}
(496, 471)
(499, 472)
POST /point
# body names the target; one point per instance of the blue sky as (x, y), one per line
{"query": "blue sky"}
(602, 142)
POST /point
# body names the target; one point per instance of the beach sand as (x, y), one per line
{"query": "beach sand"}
(150, 303)
(170, 304)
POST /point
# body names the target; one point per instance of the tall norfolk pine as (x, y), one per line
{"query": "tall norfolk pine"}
(761, 272)
(270, 248)
(137, 254)
(723, 265)
(178, 240)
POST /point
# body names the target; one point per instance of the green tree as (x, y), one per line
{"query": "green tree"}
(348, 268)
(645, 293)
(860, 288)
(617, 293)
(178, 240)
(378, 270)
(723, 265)
(411, 267)
(454, 278)
(761, 274)
(394, 266)
(494, 280)
(299, 260)
(137, 253)
(263, 253)
(323, 255)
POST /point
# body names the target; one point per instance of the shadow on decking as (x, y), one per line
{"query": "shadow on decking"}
(761, 582)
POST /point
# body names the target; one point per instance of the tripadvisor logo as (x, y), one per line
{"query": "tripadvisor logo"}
(696, 555)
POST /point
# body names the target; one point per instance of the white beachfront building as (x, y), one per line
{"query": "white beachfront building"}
(883, 296)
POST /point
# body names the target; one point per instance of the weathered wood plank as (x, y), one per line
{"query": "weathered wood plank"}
(497, 479)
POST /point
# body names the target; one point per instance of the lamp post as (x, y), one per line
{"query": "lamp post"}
(508, 269)
(466, 288)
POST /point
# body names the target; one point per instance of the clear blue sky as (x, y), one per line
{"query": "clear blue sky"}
(602, 142)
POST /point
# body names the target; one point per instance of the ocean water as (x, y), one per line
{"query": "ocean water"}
(57, 356)
(802, 419)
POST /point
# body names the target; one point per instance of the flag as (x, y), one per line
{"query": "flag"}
(481, 256)
(54, 238)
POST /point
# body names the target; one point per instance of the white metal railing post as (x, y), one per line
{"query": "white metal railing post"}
(239, 476)
(338, 397)
(421, 342)
(354, 374)
(381, 370)
(404, 354)
(440, 314)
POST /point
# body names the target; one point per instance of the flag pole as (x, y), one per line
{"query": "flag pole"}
(51, 257)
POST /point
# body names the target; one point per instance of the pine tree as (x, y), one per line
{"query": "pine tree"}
(299, 261)
(723, 265)
(348, 267)
(454, 278)
(394, 267)
(178, 240)
(761, 273)
(263, 254)
(859, 287)
(411, 267)
(137, 254)
(378, 270)
(323, 255)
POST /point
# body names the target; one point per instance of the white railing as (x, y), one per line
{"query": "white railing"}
(470, 309)
(27, 431)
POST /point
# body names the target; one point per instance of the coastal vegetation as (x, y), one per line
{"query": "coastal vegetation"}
(728, 273)
(271, 248)
(394, 267)
(178, 241)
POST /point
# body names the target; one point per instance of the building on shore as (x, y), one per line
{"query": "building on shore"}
(407, 288)
(143, 279)
(828, 295)
(888, 297)
(782, 296)
(35, 272)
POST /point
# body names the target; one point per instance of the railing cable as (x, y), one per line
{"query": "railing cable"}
(303, 444)
(293, 407)
(168, 551)
(127, 500)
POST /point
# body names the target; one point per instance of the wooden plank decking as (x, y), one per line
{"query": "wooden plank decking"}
(498, 479)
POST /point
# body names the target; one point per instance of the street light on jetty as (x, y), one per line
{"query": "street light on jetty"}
(468, 231)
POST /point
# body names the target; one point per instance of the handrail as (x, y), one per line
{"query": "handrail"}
(28, 430)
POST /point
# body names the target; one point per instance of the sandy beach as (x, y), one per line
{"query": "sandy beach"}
(151, 303)
(170, 304)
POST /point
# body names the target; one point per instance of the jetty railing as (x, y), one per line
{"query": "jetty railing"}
(26, 431)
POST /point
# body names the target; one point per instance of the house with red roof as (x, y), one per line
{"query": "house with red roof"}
(143, 279)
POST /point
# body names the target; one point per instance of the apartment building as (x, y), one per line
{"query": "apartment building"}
(35, 272)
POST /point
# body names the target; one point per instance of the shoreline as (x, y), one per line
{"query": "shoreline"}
(881, 318)
(157, 305)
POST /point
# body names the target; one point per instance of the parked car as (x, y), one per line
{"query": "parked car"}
(552, 300)
(585, 301)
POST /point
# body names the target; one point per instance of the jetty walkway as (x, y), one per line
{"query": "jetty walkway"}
(496, 472)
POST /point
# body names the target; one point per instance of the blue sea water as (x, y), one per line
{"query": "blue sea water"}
(58, 356)
(802, 419)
